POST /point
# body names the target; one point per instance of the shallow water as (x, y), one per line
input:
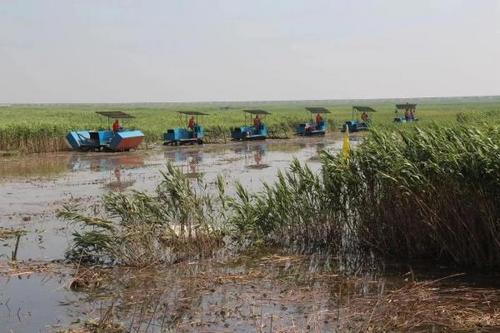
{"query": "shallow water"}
(33, 187)
(276, 293)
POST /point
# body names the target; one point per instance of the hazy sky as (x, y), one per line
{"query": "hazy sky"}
(205, 50)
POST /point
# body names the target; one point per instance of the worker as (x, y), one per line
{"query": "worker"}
(407, 115)
(412, 114)
(319, 119)
(364, 116)
(256, 122)
(116, 126)
(191, 123)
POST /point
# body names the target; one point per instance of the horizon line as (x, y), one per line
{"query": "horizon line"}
(258, 101)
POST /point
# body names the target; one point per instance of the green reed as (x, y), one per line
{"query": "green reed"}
(428, 193)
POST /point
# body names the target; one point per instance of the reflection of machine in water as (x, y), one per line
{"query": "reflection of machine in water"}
(253, 154)
(113, 164)
(187, 160)
(118, 184)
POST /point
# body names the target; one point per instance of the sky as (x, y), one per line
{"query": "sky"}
(91, 51)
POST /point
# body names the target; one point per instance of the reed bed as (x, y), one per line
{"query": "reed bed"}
(419, 193)
(139, 230)
(42, 128)
(428, 193)
(416, 193)
(37, 138)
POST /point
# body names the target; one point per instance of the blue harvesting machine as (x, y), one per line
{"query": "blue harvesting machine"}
(190, 135)
(248, 132)
(356, 124)
(106, 140)
(314, 127)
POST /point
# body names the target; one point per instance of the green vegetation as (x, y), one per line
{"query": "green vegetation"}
(426, 193)
(42, 128)
(418, 193)
(176, 223)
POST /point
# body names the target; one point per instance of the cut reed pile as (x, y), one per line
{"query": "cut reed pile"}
(424, 306)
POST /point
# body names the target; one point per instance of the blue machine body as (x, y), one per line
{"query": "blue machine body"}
(183, 135)
(313, 128)
(106, 140)
(75, 139)
(250, 133)
(355, 126)
(402, 119)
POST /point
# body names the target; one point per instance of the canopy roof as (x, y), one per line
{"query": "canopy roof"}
(364, 109)
(315, 109)
(115, 114)
(193, 113)
(257, 111)
(406, 106)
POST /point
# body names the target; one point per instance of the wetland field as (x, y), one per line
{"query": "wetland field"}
(41, 128)
(283, 235)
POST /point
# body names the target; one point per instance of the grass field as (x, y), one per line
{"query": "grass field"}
(41, 128)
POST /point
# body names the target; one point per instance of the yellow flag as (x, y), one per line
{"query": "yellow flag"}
(346, 146)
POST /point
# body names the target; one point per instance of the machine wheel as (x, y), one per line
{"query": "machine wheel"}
(200, 141)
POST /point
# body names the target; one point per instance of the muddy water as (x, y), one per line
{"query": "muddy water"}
(33, 187)
(267, 293)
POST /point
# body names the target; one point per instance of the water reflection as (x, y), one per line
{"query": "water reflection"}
(277, 291)
(117, 183)
(105, 162)
(38, 166)
(253, 154)
(186, 159)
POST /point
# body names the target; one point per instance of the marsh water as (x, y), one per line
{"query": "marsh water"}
(33, 187)
(268, 293)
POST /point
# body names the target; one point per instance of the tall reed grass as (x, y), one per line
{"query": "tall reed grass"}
(429, 194)
(417, 193)
(31, 128)
(177, 222)
(35, 138)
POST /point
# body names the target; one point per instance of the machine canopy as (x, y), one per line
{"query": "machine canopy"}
(364, 109)
(257, 111)
(315, 110)
(193, 113)
(115, 114)
(406, 106)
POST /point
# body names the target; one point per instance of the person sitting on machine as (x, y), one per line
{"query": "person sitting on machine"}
(319, 119)
(256, 122)
(364, 117)
(116, 126)
(412, 114)
(191, 123)
(407, 115)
